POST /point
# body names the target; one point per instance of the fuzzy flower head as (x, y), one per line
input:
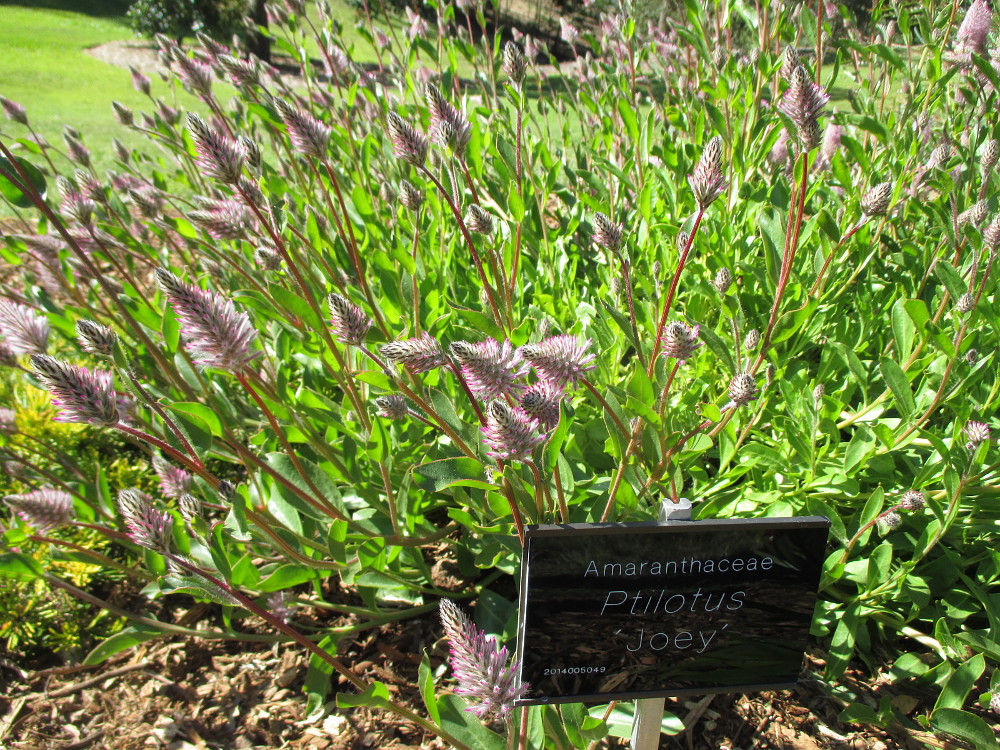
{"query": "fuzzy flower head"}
(309, 135)
(350, 324)
(219, 156)
(44, 509)
(174, 481)
(680, 342)
(420, 354)
(890, 520)
(478, 220)
(222, 219)
(484, 676)
(608, 234)
(82, 395)
(189, 507)
(95, 338)
(912, 500)
(410, 196)
(975, 28)
(802, 103)
(706, 181)
(144, 524)
(743, 389)
(976, 432)
(723, 280)
(13, 111)
(140, 81)
(514, 64)
(23, 330)
(541, 402)
(392, 407)
(8, 421)
(875, 202)
(510, 434)
(450, 126)
(408, 143)
(215, 333)
(561, 360)
(491, 369)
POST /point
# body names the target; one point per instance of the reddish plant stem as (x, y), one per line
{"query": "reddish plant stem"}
(490, 294)
(319, 502)
(792, 231)
(195, 466)
(673, 290)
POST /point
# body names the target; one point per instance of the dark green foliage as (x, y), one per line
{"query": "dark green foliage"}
(180, 18)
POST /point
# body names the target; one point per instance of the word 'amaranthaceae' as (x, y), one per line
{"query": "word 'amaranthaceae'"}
(484, 677)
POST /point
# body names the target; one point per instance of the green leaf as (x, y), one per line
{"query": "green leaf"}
(965, 726)
(629, 119)
(718, 347)
(194, 428)
(452, 472)
(515, 203)
(465, 726)
(903, 329)
(425, 679)
(858, 713)
(857, 450)
(317, 682)
(10, 191)
(196, 587)
(550, 455)
(376, 696)
(284, 466)
(842, 644)
(131, 636)
(201, 412)
(960, 683)
(286, 576)
(895, 378)
(951, 278)
(19, 566)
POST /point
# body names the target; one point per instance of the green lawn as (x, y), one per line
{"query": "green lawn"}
(45, 67)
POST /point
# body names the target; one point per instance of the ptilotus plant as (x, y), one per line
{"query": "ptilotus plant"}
(380, 315)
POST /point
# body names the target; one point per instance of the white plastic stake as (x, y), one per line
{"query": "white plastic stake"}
(649, 711)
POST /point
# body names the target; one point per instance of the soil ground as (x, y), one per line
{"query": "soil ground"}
(188, 693)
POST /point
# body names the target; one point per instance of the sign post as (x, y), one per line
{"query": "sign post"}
(649, 711)
(641, 611)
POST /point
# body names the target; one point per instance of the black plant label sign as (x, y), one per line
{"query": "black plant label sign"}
(638, 610)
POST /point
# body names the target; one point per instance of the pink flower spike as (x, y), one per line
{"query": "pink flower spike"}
(481, 667)
(510, 434)
(562, 360)
(215, 333)
(491, 369)
(82, 395)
